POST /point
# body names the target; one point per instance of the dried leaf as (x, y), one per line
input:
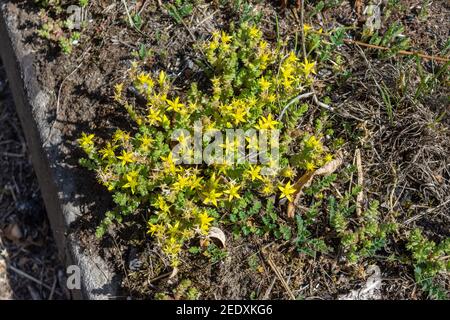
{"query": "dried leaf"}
(306, 179)
(216, 233)
(174, 273)
(330, 167)
(373, 17)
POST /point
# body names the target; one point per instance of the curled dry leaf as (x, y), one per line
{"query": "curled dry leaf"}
(306, 179)
(174, 273)
(330, 167)
(216, 233)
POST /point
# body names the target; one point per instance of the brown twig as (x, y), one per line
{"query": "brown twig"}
(294, 100)
(162, 276)
(402, 52)
(374, 46)
(280, 277)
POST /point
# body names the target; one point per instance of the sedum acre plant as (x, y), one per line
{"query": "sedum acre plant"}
(59, 30)
(429, 259)
(155, 169)
(370, 233)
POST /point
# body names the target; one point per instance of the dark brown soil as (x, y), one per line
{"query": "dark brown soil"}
(27, 247)
(406, 161)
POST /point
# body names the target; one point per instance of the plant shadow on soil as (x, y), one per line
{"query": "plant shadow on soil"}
(406, 158)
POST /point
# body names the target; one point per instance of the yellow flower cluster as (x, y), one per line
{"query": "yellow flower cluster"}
(246, 92)
(291, 68)
(87, 142)
(315, 155)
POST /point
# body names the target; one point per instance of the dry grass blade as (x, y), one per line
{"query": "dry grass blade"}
(55, 281)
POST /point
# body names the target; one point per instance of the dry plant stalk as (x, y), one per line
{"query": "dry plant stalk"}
(360, 196)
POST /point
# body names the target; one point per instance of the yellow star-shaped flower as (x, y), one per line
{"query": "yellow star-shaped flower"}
(126, 157)
(181, 183)
(108, 151)
(132, 182)
(153, 116)
(254, 173)
(211, 197)
(205, 221)
(146, 142)
(306, 28)
(308, 67)
(266, 123)
(309, 166)
(226, 38)
(86, 141)
(239, 115)
(264, 84)
(195, 182)
(175, 105)
(254, 32)
(169, 163)
(232, 191)
(287, 191)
